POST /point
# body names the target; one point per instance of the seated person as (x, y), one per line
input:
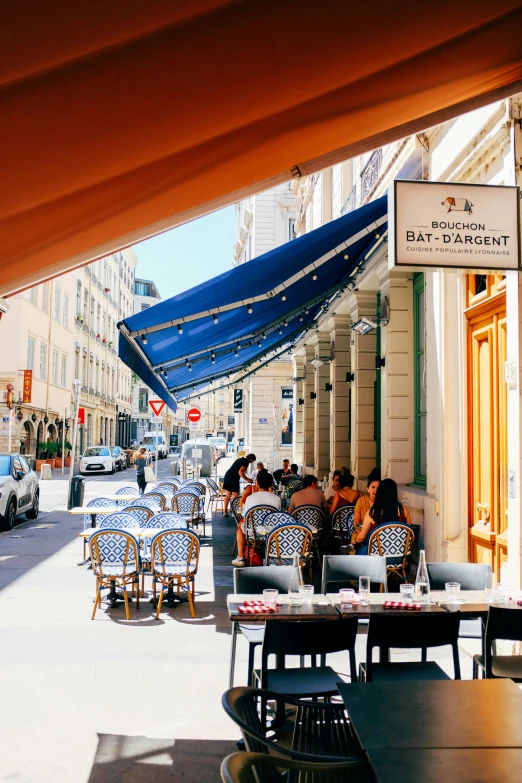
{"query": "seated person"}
(259, 467)
(263, 496)
(310, 495)
(284, 471)
(365, 502)
(331, 491)
(345, 495)
(386, 509)
(294, 474)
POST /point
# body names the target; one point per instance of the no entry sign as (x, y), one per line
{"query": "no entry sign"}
(194, 415)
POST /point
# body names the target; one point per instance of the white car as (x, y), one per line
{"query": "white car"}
(97, 459)
(19, 491)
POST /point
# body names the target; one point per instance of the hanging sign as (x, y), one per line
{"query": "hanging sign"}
(443, 224)
(238, 400)
(28, 385)
(81, 416)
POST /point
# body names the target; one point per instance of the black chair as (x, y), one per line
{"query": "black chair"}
(470, 576)
(342, 571)
(315, 638)
(406, 630)
(255, 767)
(502, 623)
(252, 581)
(317, 729)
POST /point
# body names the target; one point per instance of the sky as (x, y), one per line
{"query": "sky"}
(190, 254)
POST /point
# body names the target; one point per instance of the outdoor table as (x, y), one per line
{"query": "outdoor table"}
(433, 765)
(93, 511)
(377, 605)
(435, 714)
(122, 498)
(319, 609)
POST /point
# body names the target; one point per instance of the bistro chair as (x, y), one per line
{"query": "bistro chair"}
(141, 513)
(342, 524)
(146, 501)
(216, 496)
(470, 576)
(255, 767)
(127, 491)
(502, 623)
(316, 638)
(115, 563)
(253, 581)
(311, 517)
(195, 489)
(394, 542)
(175, 557)
(319, 729)
(235, 507)
(405, 630)
(121, 520)
(255, 517)
(342, 571)
(165, 520)
(158, 497)
(186, 504)
(292, 485)
(96, 503)
(285, 541)
(167, 491)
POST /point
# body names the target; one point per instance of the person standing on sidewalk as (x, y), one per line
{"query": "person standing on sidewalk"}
(140, 463)
(233, 476)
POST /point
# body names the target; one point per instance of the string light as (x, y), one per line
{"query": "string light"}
(187, 362)
(307, 311)
(249, 309)
(283, 297)
(215, 318)
(301, 318)
(165, 373)
(314, 277)
(260, 344)
(238, 346)
(346, 256)
(180, 329)
(280, 330)
(144, 339)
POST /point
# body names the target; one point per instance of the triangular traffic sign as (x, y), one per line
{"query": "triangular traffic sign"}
(157, 406)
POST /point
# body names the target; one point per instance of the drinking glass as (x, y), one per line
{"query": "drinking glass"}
(407, 592)
(346, 596)
(453, 592)
(306, 592)
(364, 590)
(502, 593)
(270, 597)
(489, 586)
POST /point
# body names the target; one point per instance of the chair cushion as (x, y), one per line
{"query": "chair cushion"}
(470, 629)
(509, 666)
(174, 569)
(117, 570)
(414, 671)
(309, 681)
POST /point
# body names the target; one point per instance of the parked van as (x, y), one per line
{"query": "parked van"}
(149, 440)
(199, 451)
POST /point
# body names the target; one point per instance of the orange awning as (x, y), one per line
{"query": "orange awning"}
(121, 119)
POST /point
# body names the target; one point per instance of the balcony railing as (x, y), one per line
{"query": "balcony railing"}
(370, 173)
(350, 203)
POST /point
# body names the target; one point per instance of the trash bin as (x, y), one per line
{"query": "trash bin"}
(76, 492)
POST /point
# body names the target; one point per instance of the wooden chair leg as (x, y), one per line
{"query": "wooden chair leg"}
(125, 598)
(158, 610)
(97, 600)
(142, 584)
(191, 603)
(138, 592)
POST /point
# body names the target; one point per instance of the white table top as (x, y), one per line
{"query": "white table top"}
(137, 532)
(120, 498)
(94, 510)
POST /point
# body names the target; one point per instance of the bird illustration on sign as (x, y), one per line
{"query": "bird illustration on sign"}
(458, 205)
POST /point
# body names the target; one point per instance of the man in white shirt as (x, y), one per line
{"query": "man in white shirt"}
(263, 497)
(260, 466)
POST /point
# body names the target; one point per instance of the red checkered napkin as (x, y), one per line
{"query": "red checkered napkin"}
(519, 601)
(401, 605)
(259, 608)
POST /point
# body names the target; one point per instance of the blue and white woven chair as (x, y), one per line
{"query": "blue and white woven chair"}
(285, 541)
(166, 520)
(130, 491)
(311, 517)
(158, 497)
(168, 491)
(253, 519)
(119, 521)
(142, 514)
(292, 485)
(175, 557)
(394, 542)
(96, 503)
(146, 501)
(115, 563)
(276, 518)
(342, 523)
(186, 504)
(195, 489)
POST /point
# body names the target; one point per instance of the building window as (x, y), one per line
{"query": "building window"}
(143, 401)
(45, 297)
(56, 313)
(419, 375)
(85, 302)
(65, 312)
(98, 317)
(34, 295)
(144, 306)
(54, 368)
(30, 353)
(78, 298)
(63, 378)
(222, 398)
(221, 424)
(91, 323)
(291, 229)
(43, 361)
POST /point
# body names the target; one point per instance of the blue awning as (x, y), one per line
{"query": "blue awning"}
(251, 313)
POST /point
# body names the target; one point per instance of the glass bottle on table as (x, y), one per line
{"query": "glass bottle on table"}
(422, 582)
(296, 580)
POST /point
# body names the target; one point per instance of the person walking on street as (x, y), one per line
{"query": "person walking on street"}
(233, 476)
(140, 462)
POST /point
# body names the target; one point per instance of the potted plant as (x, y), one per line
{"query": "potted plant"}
(110, 343)
(68, 447)
(42, 450)
(52, 450)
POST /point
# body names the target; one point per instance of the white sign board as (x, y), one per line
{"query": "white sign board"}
(443, 224)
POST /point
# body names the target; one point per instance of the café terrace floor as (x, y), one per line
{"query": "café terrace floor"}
(111, 700)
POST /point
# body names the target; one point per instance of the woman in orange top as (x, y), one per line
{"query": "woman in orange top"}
(345, 495)
(366, 501)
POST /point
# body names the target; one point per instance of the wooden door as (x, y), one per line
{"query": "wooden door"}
(487, 429)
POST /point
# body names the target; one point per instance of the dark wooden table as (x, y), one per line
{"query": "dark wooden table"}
(435, 714)
(376, 606)
(319, 609)
(465, 765)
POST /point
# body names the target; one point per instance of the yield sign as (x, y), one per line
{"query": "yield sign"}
(194, 415)
(157, 406)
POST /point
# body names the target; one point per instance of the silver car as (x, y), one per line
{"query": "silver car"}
(19, 489)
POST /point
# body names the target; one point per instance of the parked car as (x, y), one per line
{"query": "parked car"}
(19, 490)
(97, 459)
(120, 458)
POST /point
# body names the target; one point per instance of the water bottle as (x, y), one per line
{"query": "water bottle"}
(296, 580)
(422, 583)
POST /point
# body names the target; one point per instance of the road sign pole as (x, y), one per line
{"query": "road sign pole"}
(157, 452)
